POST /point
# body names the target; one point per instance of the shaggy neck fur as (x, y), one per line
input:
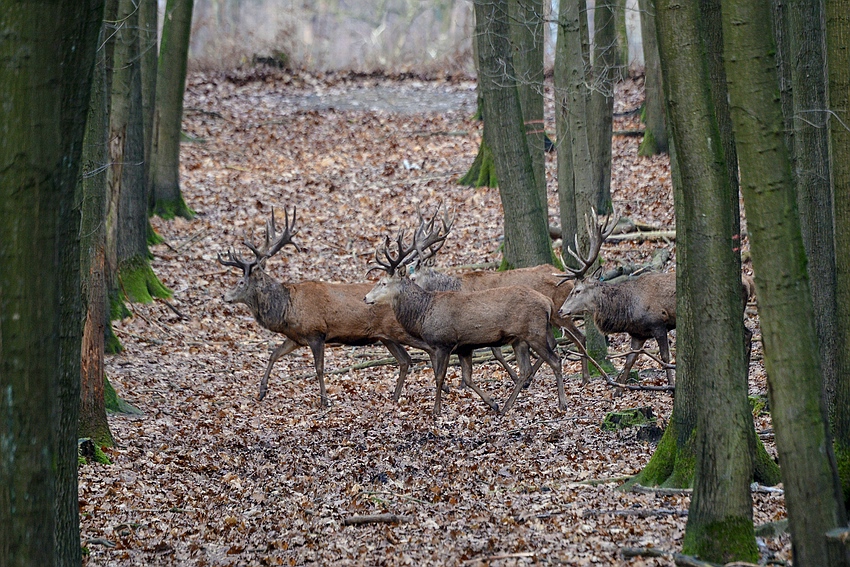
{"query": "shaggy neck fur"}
(410, 306)
(613, 311)
(271, 302)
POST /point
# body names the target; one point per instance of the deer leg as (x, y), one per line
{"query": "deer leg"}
(287, 346)
(577, 338)
(466, 371)
(317, 345)
(404, 362)
(440, 363)
(636, 344)
(664, 348)
(500, 357)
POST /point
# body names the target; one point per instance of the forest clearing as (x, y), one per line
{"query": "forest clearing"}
(208, 475)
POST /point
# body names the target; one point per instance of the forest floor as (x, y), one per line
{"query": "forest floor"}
(210, 476)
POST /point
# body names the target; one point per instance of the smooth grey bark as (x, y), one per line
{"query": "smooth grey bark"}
(46, 61)
(170, 85)
(655, 118)
(526, 234)
(782, 283)
(564, 148)
(811, 173)
(148, 52)
(837, 14)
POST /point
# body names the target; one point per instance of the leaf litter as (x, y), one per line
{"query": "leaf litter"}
(210, 476)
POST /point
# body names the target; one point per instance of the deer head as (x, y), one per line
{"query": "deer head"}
(252, 270)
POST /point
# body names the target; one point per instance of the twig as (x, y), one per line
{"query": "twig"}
(640, 513)
(401, 496)
(177, 311)
(376, 519)
(613, 383)
(598, 481)
(200, 235)
(487, 558)
(139, 337)
(100, 541)
(689, 561)
(628, 552)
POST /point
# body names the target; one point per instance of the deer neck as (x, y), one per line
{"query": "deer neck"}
(271, 303)
(614, 308)
(410, 305)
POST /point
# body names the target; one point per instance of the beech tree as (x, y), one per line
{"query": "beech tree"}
(654, 113)
(526, 234)
(789, 335)
(170, 84)
(46, 61)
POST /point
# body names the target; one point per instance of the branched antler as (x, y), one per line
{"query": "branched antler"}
(274, 241)
(598, 233)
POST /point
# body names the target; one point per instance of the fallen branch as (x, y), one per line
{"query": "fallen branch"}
(652, 236)
(660, 490)
(613, 383)
(376, 519)
(690, 561)
(629, 552)
(598, 481)
(639, 513)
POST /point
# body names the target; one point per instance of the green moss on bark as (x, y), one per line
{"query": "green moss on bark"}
(169, 209)
(731, 539)
(111, 344)
(482, 173)
(117, 309)
(765, 469)
(842, 460)
(648, 147)
(115, 404)
(139, 282)
(670, 466)
(153, 236)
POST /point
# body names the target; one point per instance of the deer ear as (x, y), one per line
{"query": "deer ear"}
(597, 273)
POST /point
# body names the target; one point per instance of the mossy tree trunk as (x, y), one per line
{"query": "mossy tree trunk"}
(838, 63)
(127, 220)
(720, 521)
(785, 302)
(654, 111)
(46, 60)
(811, 173)
(482, 172)
(526, 233)
(564, 149)
(92, 421)
(148, 43)
(170, 84)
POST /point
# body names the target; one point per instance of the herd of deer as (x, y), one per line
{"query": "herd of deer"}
(414, 305)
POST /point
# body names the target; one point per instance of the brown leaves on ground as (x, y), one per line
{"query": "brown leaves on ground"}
(209, 476)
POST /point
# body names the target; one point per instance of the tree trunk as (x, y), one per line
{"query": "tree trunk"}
(148, 43)
(720, 523)
(564, 148)
(655, 133)
(838, 63)
(128, 204)
(526, 24)
(482, 172)
(170, 84)
(601, 104)
(811, 163)
(45, 74)
(526, 234)
(92, 421)
(785, 301)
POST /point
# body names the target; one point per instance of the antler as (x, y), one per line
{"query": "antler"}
(598, 234)
(237, 262)
(426, 239)
(393, 261)
(273, 241)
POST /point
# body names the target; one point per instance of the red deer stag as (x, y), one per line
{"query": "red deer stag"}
(644, 307)
(542, 278)
(313, 313)
(460, 322)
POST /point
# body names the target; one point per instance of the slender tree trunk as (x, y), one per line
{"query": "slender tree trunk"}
(811, 161)
(838, 63)
(148, 43)
(93, 422)
(721, 503)
(127, 222)
(601, 103)
(170, 85)
(45, 72)
(785, 301)
(655, 134)
(527, 39)
(564, 148)
(526, 233)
